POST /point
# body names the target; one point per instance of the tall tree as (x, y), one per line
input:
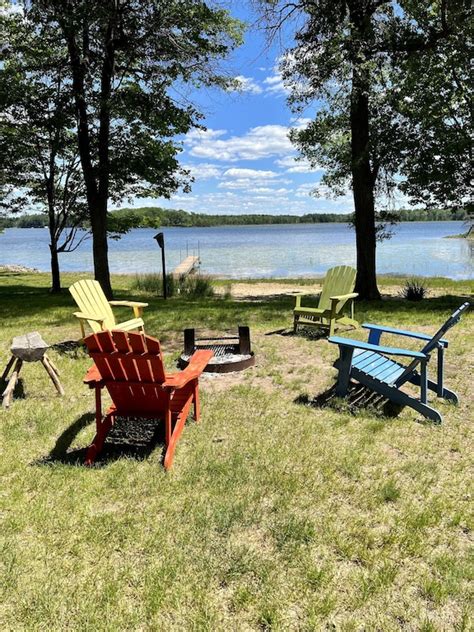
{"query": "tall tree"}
(128, 61)
(40, 163)
(343, 55)
(436, 107)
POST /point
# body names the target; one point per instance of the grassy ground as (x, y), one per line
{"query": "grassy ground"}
(277, 515)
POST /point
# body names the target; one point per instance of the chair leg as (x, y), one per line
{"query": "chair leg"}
(176, 433)
(446, 393)
(440, 370)
(344, 365)
(197, 403)
(295, 323)
(83, 331)
(171, 446)
(98, 442)
(167, 425)
(331, 326)
(424, 383)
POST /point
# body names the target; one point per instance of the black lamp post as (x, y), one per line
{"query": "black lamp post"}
(160, 240)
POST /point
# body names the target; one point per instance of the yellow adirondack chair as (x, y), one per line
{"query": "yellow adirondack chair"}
(96, 310)
(336, 296)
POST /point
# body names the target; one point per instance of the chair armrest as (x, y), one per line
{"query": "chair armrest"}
(83, 316)
(344, 297)
(366, 346)
(93, 377)
(196, 365)
(128, 304)
(402, 332)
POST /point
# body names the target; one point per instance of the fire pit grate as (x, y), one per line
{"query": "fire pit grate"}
(231, 352)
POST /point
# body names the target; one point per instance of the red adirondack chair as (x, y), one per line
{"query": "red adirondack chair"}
(130, 367)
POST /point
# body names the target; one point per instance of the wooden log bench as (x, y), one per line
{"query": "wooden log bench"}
(27, 348)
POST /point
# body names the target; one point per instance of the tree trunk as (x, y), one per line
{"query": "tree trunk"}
(363, 183)
(100, 247)
(55, 273)
(96, 200)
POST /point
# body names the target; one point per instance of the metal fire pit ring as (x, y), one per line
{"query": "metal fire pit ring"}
(231, 352)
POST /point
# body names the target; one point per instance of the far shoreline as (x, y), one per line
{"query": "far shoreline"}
(263, 224)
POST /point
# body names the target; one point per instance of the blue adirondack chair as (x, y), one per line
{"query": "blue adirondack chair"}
(367, 362)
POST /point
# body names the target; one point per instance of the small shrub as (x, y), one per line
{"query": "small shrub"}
(194, 286)
(227, 292)
(414, 290)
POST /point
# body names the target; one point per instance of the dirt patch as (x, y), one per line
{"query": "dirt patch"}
(256, 291)
(262, 291)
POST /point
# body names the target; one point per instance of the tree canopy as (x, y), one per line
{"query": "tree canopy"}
(358, 60)
(128, 63)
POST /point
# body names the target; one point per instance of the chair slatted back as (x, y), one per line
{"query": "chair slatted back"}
(131, 366)
(339, 280)
(91, 300)
(452, 320)
(432, 344)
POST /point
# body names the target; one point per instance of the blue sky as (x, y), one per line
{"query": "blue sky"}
(244, 162)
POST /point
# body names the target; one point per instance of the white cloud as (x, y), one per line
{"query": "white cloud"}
(247, 84)
(305, 190)
(259, 142)
(204, 170)
(274, 84)
(250, 184)
(249, 201)
(293, 164)
(256, 174)
(202, 135)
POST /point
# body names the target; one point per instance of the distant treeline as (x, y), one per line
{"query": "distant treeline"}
(154, 217)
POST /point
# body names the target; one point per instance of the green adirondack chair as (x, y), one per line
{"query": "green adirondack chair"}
(97, 312)
(371, 364)
(336, 298)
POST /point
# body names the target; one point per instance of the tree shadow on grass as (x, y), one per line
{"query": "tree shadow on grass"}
(359, 399)
(133, 438)
(70, 348)
(309, 333)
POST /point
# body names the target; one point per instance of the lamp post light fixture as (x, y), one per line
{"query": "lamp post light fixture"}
(160, 240)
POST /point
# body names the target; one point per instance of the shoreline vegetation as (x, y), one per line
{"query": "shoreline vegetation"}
(125, 219)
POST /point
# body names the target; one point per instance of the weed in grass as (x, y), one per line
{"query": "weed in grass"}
(321, 606)
(269, 618)
(243, 597)
(315, 576)
(373, 581)
(293, 532)
(389, 492)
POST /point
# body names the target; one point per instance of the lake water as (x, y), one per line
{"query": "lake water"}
(417, 248)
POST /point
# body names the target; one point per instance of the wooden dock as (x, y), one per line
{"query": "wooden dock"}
(187, 266)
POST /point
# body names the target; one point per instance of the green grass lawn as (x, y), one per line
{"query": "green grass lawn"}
(275, 516)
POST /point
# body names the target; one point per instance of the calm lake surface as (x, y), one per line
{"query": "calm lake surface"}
(417, 248)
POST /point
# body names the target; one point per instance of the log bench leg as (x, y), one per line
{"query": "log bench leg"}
(8, 392)
(52, 374)
(52, 365)
(7, 368)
